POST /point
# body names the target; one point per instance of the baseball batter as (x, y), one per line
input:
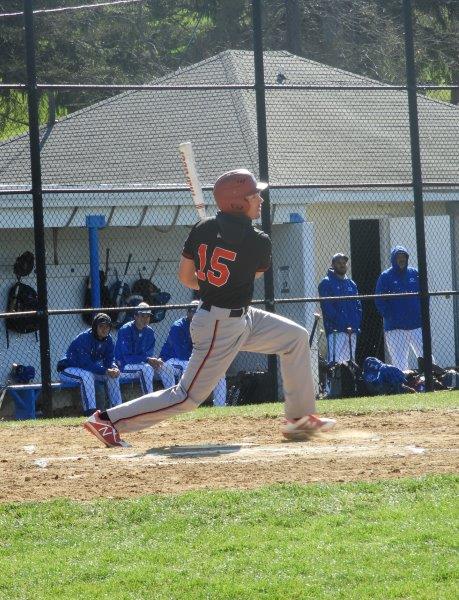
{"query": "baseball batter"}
(221, 258)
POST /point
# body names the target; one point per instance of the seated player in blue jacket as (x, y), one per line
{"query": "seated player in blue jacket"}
(177, 349)
(90, 358)
(339, 315)
(134, 352)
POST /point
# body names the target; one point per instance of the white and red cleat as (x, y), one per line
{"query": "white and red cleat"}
(297, 430)
(104, 431)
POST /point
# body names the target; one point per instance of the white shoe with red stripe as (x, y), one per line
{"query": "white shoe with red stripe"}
(104, 431)
(297, 430)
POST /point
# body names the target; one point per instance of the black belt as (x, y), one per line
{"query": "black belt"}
(234, 312)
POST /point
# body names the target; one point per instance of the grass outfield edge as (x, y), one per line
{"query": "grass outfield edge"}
(345, 407)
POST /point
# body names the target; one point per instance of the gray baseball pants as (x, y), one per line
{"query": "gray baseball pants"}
(217, 338)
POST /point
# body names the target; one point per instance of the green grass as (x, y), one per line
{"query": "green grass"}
(349, 406)
(350, 541)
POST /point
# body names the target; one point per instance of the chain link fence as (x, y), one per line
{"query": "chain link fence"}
(340, 168)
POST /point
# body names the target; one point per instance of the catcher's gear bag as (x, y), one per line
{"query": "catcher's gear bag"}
(250, 388)
(150, 293)
(145, 288)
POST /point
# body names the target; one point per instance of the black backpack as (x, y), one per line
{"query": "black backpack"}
(22, 298)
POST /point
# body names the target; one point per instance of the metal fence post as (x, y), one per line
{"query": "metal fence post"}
(417, 192)
(263, 164)
(37, 196)
(94, 223)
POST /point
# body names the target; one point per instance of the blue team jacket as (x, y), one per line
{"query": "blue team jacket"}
(381, 378)
(399, 313)
(89, 353)
(134, 346)
(178, 344)
(337, 314)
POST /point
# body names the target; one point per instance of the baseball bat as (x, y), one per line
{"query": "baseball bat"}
(321, 333)
(119, 294)
(191, 177)
(335, 333)
(349, 333)
(158, 260)
(314, 327)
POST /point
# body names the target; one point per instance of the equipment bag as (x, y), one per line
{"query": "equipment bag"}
(345, 380)
(251, 388)
(21, 298)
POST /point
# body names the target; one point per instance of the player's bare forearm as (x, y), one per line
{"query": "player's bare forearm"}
(187, 273)
(191, 283)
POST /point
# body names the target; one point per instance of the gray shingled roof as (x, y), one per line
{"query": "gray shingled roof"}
(315, 136)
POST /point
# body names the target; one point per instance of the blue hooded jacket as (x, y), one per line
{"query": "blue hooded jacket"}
(178, 344)
(381, 378)
(337, 314)
(87, 352)
(134, 346)
(399, 313)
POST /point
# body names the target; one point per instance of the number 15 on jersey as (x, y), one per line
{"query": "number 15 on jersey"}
(217, 273)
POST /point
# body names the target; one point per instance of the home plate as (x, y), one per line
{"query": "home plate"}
(247, 452)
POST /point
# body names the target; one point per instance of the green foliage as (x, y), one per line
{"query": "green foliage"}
(14, 113)
(356, 540)
(139, 42)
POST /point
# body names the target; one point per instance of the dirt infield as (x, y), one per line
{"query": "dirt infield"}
(50, 462)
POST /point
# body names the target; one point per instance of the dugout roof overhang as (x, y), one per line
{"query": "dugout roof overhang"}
(166, 209)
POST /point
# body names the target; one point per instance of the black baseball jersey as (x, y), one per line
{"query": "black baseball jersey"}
(227, 252)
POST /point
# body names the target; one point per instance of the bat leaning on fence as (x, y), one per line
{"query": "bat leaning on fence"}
(314, 328)
(192, 179)
(120, 292)
(349, 334)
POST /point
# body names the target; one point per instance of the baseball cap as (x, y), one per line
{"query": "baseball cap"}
(339, 255)
(142, 309)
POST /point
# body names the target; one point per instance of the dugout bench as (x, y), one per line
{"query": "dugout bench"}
(25, 395)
